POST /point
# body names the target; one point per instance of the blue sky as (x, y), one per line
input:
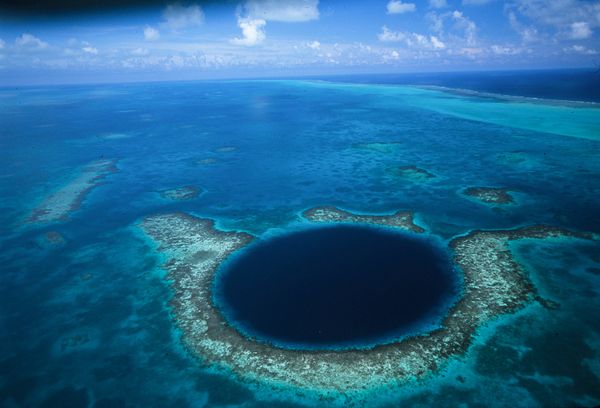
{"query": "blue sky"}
(299, 37)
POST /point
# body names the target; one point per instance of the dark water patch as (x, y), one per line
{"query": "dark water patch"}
(342, 286)
(68, 397)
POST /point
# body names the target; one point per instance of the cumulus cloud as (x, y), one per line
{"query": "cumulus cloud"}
(388, 35)
(287, 11)
(573, 19)
(315, 45)
(580, 49)
(397, 7)
(463, 23)
(438, 4)
(89, 50)
(505, 50)
(80, 47)
(527, 33)
(252, 17)
(29, 41)
(151, 34)
(140, 51)
(412, 40)
(580, 30)
(436, 22)
(178, 16)
(252, 31)
(453, 25)
(391, 56)
(436, 43)
(475, 2)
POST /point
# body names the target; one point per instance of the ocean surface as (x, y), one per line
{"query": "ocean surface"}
(85, 317)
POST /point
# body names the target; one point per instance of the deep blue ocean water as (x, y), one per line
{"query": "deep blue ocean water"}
(88, 322)
(563, 84)
(325, 288)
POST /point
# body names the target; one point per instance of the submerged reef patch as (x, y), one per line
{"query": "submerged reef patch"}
(206, 161)
(226, 149)
(494, 284)
(58, 205)
(489, 195)
(412, 173)
(181, 193)
(54, 238)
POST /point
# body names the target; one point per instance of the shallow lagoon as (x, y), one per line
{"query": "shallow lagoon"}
(96, 325)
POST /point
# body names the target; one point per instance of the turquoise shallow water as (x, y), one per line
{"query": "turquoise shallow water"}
(88, 322)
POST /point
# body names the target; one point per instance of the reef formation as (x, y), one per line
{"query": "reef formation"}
(181, 193)
(400, 219)
(58, 205)
(489, 195)
(226, 149)
(413, 173)
(493, 284)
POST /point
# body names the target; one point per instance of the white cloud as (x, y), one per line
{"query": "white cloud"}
(559, 12)
(2, 43)
(436, 22)
(438, 4)
(572, 19)
(388, 35)
(397, 7)
(254, 14)
(140, 51)
(527, 33)
(468, 26)
(315, 45)
(391, 56)
(505, 50)
(178, 16)
(252, 31)
(471, 52)
(151, 34)
(453, 26)
(90, 50)
(580, 49)
(437, 44)
(580, 30)
(412, 40)
(30, 41)
(475, 2)
(287, 11)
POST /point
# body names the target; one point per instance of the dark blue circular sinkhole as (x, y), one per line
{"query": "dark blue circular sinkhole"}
(336, 287)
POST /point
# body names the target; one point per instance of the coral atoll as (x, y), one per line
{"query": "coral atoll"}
(493, 284)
